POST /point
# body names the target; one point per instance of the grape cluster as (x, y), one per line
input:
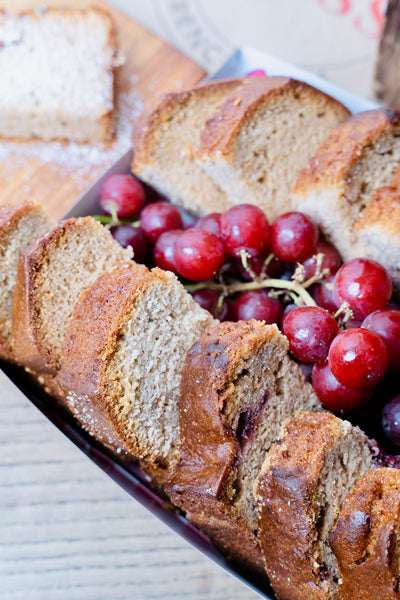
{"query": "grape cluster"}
(337, 318)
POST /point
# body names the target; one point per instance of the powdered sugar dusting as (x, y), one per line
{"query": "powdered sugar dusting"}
(74, 159)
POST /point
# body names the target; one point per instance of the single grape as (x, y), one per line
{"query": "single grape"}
(199, 254)
(159, 217)
(126, 235)
(164, 250)
(331, 260)
(123, 193)
(245, 226)
(210, 223)
(364, 284)
(293, 237)
(333, 394)
(256, 304)
(386, 323)
(210, 300)
(310, 331)
(391, 420)
(322, 293)
(358, 358)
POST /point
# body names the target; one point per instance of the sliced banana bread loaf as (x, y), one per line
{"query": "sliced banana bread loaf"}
(299, 492)
(166, 139)
(366, 539)
(20, 225)
(265, 132)
(238, 385)
(358, 157)
(122, 358)
(52, 273)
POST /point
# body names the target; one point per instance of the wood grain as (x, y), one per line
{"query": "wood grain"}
(151, 67)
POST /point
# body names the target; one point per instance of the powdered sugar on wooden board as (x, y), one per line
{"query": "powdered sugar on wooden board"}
(76, 159)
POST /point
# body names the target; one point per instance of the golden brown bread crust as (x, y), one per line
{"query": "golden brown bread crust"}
(27, 346)
(9, 215)
(89, 343)
(200, 484)
(334, 160)
(220, 131)
(147, 127)
(365, 539)
(285, 493)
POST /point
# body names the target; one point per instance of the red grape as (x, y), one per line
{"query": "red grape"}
(386, 323)
(323, 294)
(358, 358)
(245, 226)
(210, 300)
(199, 254)
(124, 193)
(310, 331)
(334, 395)
(159, 217)
(126, 235)
(331, 259)
(364, 284)
(164, 250)
(391, 420)
(210, 223)
(256, 304)
(293, 237)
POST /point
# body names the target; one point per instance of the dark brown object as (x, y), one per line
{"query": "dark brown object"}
(387, 71)
(366, 538)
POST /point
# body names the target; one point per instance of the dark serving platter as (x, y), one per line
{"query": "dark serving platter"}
(129, 475)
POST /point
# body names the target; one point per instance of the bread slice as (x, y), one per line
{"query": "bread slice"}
(122, 360)
(366, 538)
(238, 385)
(166, 139)
(378, 228)
(358, 157)
(52, 273)
(20, 224)
(56, 67)
(299, 492)
(265, 132)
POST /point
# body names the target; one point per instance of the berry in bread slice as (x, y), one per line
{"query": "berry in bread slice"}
(52, 273)
(367, 536)
(299, 491)
(238, 386)
(265, 132)
(122, 358)
(20, 225)
(57, 66)
(166, 139)
(358, 157)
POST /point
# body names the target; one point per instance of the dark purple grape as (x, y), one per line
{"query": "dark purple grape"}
(391, 420)
(210, 300)
(126, 235)
(256, 304)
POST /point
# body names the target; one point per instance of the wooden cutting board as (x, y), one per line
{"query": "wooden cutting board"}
(57, 174)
